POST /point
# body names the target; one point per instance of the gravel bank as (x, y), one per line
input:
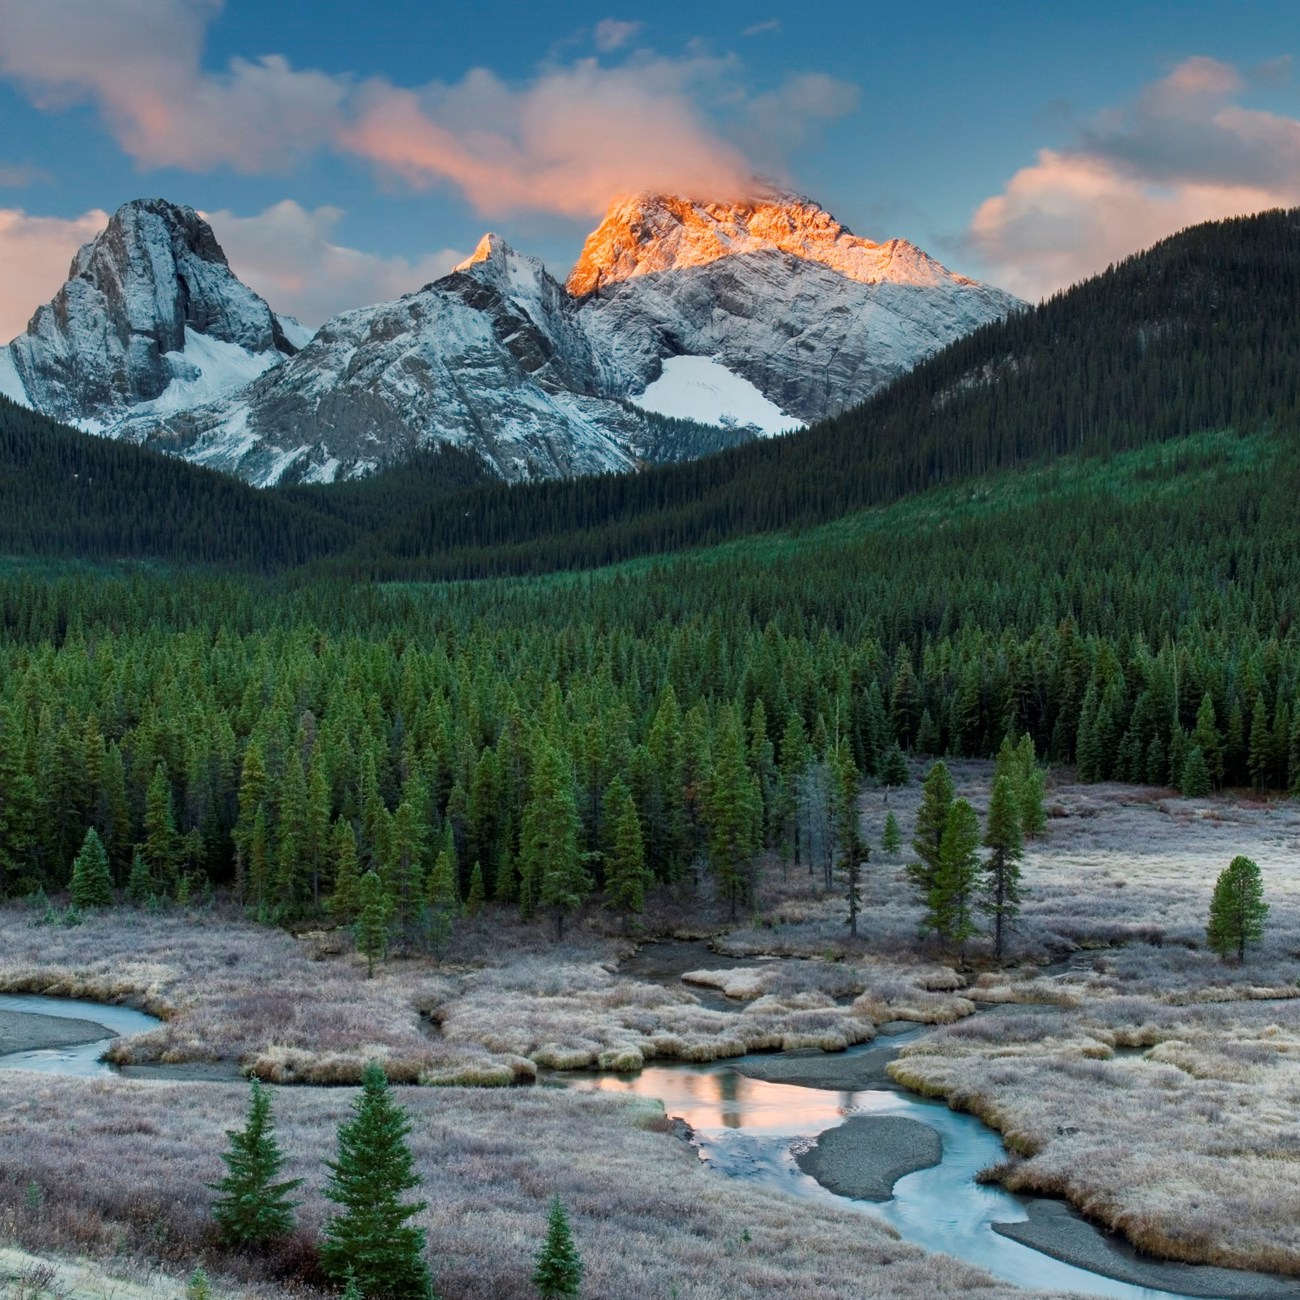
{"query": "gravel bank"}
(868, 1154)
(23, 1031)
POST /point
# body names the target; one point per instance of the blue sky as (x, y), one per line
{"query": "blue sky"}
(349, 152)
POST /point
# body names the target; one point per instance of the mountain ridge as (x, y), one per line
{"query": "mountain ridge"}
(798, 316)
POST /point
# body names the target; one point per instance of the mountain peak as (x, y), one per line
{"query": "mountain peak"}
(490, 248)
(137, 296)
(644, 234)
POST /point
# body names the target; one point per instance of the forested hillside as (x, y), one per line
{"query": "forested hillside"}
(476, 737)
(1199, 333)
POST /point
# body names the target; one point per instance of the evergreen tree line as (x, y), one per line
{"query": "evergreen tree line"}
(533, 742)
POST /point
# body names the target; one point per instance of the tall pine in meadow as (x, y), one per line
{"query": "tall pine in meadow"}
(952, 892)
(374, 911)
(1237, 909)
(931, 822)
(252, 1206)
(371, 1239)
(1002, 838)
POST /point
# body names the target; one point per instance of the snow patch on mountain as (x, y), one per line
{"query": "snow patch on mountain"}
(203, 371)
(11, 386)
(298, 334)
(704, 390)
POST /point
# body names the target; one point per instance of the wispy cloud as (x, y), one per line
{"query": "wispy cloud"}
(35, 253)
(1185, 151)
(289, 254)
(565, 141)
(17, 176)
(761, 29)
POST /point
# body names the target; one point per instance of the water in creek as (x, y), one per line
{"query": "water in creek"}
(82, 1059)
(748, 1129)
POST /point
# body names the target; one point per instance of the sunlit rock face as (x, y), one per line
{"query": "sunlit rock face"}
(776, 290)
(736, 319)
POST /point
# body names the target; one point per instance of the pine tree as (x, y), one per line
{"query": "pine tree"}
(891, 840)
(1002, 869)
(952, 891)
(732, 813)
(853, 849)
(374, 911)
(1260, 760)
(476, 898)
(92, 883)
(345, 902)
(372, 1240)
(559, 1267)
(1208, 739)
(625, 870)
(1195, 779)
(1237, 909)
(17, 802)
(161, 843)
(931, 822)
(139, 884)
(893, 769)
(253, 1207)
(551, 869)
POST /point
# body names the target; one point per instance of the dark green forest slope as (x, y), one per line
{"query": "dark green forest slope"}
(1123, 612)
(1201, 332)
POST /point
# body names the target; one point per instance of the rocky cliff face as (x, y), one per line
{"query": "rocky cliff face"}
(777, 291)
(745, 318)
(117, 334)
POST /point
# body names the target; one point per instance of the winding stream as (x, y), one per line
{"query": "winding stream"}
(748, 1128)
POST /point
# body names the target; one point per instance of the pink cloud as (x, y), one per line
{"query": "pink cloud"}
(567, 142)
(138, 61)
(1183, 153)
(35, 253)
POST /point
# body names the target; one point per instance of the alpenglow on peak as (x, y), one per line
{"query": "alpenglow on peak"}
(646, 234)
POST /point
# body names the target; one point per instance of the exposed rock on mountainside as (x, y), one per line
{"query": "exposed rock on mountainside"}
(684, 328)
(150, 311)
(777, 291)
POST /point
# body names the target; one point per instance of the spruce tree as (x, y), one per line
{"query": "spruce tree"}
(1195, 779)
(952, 891)
(559, 1267)
(372, 1240)
(476, 898)
(1237, 909)
(252, 1207)
(893, 769)
(732, 814)
(891, 839)
(139, 884)
(625, 870)
(1002, 869)
(92, 884)
(551, 869)
(374, 911)
(931, 822)
(345, 901)
(161, 843)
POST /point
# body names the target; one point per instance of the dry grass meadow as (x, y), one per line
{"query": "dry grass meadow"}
(122, 1166)
(1130, 1070)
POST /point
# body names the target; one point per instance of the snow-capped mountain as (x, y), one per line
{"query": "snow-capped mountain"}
(749, 319)
(151, 319)
(777, 292)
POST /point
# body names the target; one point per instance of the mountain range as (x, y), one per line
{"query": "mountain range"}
(684, 328)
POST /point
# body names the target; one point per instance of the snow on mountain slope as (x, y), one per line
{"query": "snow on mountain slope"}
(704, 390)
(11, 386)
(122, 329)
(777, 291)
(491, 358)
(749, 317)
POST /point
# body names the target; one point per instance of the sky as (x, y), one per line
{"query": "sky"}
(348, 153)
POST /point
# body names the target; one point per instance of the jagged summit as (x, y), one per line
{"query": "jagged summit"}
(149, 302)
(489, 247)
(646, 234)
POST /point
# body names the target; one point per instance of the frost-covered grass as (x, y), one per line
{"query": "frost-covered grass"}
(1161, 1091)
(122, 1167)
